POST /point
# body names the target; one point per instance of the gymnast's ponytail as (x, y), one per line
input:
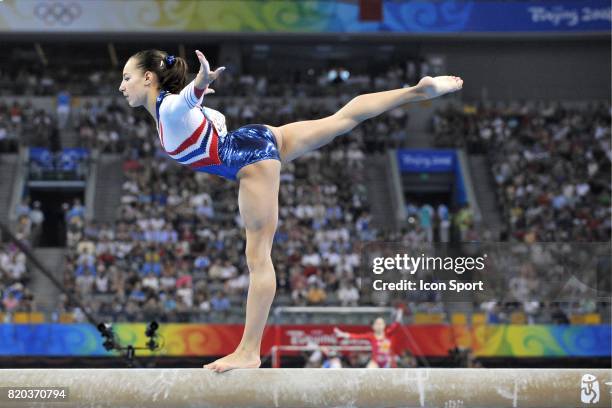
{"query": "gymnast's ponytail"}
(171, 71)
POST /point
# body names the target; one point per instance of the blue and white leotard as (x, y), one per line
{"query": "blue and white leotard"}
(196, 136)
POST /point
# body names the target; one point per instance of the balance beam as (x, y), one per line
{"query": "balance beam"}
(452, 388)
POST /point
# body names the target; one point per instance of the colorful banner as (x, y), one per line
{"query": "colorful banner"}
(213, 340)
(304, 16)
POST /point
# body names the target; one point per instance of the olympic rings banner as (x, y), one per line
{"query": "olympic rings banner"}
(304, 16)
(214, 340)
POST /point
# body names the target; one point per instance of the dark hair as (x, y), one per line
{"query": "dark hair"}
(171, 71)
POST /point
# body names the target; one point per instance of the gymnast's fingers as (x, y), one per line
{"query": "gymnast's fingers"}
(215, 74)
(204, 66)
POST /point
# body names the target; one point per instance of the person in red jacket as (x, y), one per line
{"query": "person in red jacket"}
(380, 341)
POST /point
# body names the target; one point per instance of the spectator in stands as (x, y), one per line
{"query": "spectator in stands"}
(444, 223)
(348, 295)
(495, 314)
(76, 213)
(299, 292)
(63, 108)
(37, 217)
(315, 294)
(23, 208)
(220, 303)
(557, 314)
(102, 282)
(26, 301)
(23, 231)
(463, 221)
(10, 303)
(85, 283)
(426, 213)
(7, 140)
(202, 302)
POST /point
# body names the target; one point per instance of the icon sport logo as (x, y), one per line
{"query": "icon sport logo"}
(589, 389)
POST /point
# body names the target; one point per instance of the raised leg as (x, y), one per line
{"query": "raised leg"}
(301, 137)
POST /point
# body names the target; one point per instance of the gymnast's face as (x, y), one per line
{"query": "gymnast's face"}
(379, 325)
(135, 84)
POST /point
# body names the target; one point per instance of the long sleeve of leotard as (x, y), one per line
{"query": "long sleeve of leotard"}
(187, 99)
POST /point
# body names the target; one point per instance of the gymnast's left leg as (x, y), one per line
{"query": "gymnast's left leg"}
(299, 138)
(258, 204)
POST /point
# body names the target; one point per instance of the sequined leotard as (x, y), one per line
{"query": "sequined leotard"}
(196, 136)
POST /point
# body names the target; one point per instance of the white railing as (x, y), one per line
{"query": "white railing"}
(331, 309)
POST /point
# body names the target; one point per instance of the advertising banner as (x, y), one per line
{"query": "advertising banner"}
(213, 340)
(304, 16)
(427, 160)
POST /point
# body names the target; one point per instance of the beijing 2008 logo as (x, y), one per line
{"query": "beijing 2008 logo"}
(589, 389)
(57, 13)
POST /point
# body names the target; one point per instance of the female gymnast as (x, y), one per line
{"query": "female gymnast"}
(379, 338)
(196, 136)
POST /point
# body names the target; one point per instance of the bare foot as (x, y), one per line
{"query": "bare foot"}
(440, 85)
(237, 359)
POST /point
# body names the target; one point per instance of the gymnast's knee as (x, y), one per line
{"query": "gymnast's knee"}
(345, 121)
(258, 260)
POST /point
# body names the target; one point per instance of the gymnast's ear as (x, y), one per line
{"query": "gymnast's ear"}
(148, 78)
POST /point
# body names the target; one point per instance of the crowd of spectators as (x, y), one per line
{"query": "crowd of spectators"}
(102, 124)
(23, 124)
(112, 127)
(30, 218)
(177, 251)
(174, 250)
(15, 293)
(550, 165)
(14, 278)
(439, 224)
(54, 80)
(109, 126)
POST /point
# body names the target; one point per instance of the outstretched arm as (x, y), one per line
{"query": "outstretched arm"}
(193, 94)
(354, 336)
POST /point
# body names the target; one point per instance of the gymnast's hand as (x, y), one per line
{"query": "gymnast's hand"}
(438, 86)
(205, 77)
